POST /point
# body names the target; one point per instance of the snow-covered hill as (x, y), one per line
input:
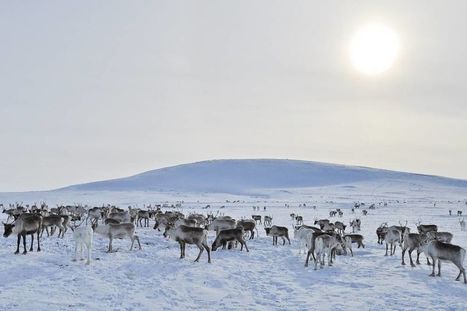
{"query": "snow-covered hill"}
(249, 176)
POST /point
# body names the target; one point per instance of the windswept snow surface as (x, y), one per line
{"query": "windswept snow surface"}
(267, 278)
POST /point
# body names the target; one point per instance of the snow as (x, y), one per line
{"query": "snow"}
(266, 278)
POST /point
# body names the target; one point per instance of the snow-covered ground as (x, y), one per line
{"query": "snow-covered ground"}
(266, 278)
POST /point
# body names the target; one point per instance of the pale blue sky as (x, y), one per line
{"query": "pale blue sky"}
(92, 90)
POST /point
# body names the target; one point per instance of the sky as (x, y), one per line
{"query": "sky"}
(92, 90)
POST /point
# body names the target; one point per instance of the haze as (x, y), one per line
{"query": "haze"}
(95, 90)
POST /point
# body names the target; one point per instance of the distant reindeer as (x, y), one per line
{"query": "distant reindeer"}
(355, 224)
(462, 224)
(257, 218)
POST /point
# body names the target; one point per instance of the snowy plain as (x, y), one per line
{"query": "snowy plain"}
(267, 278)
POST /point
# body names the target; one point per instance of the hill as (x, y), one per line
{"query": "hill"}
(244, 176)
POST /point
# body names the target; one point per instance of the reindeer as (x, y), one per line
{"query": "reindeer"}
(118, 231)
(356, 238)
(277, 231)
(94, 214)
(325, 245)
(200, 219)
(443, 251)
(445, 237)
(53, 221)
(299, 220)
(26, 224)
(426, 228)
(229, 235)
(304, 235)
(248, 225)
(347, 244)
(321, 223)
(83, 237)
(381, 232)
(142, 215)
(164, 219)
(222, 224)
(122, 216)
(185, 222)
(355, 224)
(462, 224)
(111, 221)
(257, 218)
(402, 229)
(13, 213)
(392, 236)
(329, 227)
(268, 221)
(311, 244)
(411, 242)
(189, 235)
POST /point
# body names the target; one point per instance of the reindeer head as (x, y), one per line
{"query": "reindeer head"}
(8, 229)
(169, 230)
(426, 238)
(216, 244)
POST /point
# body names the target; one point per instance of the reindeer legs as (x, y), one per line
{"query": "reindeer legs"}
(32, 242)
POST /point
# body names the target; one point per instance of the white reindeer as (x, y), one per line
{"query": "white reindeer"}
(304, 236)
(462, 223)
(324, 245)
(394, 235)
(83, 237)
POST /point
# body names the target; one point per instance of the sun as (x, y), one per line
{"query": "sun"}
(374, 49)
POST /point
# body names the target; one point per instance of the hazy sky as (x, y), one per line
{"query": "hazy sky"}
(92, 90)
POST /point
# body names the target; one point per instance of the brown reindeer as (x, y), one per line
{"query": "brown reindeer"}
(26, 224)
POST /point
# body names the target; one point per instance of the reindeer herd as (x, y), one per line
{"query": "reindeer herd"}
(324, 240)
